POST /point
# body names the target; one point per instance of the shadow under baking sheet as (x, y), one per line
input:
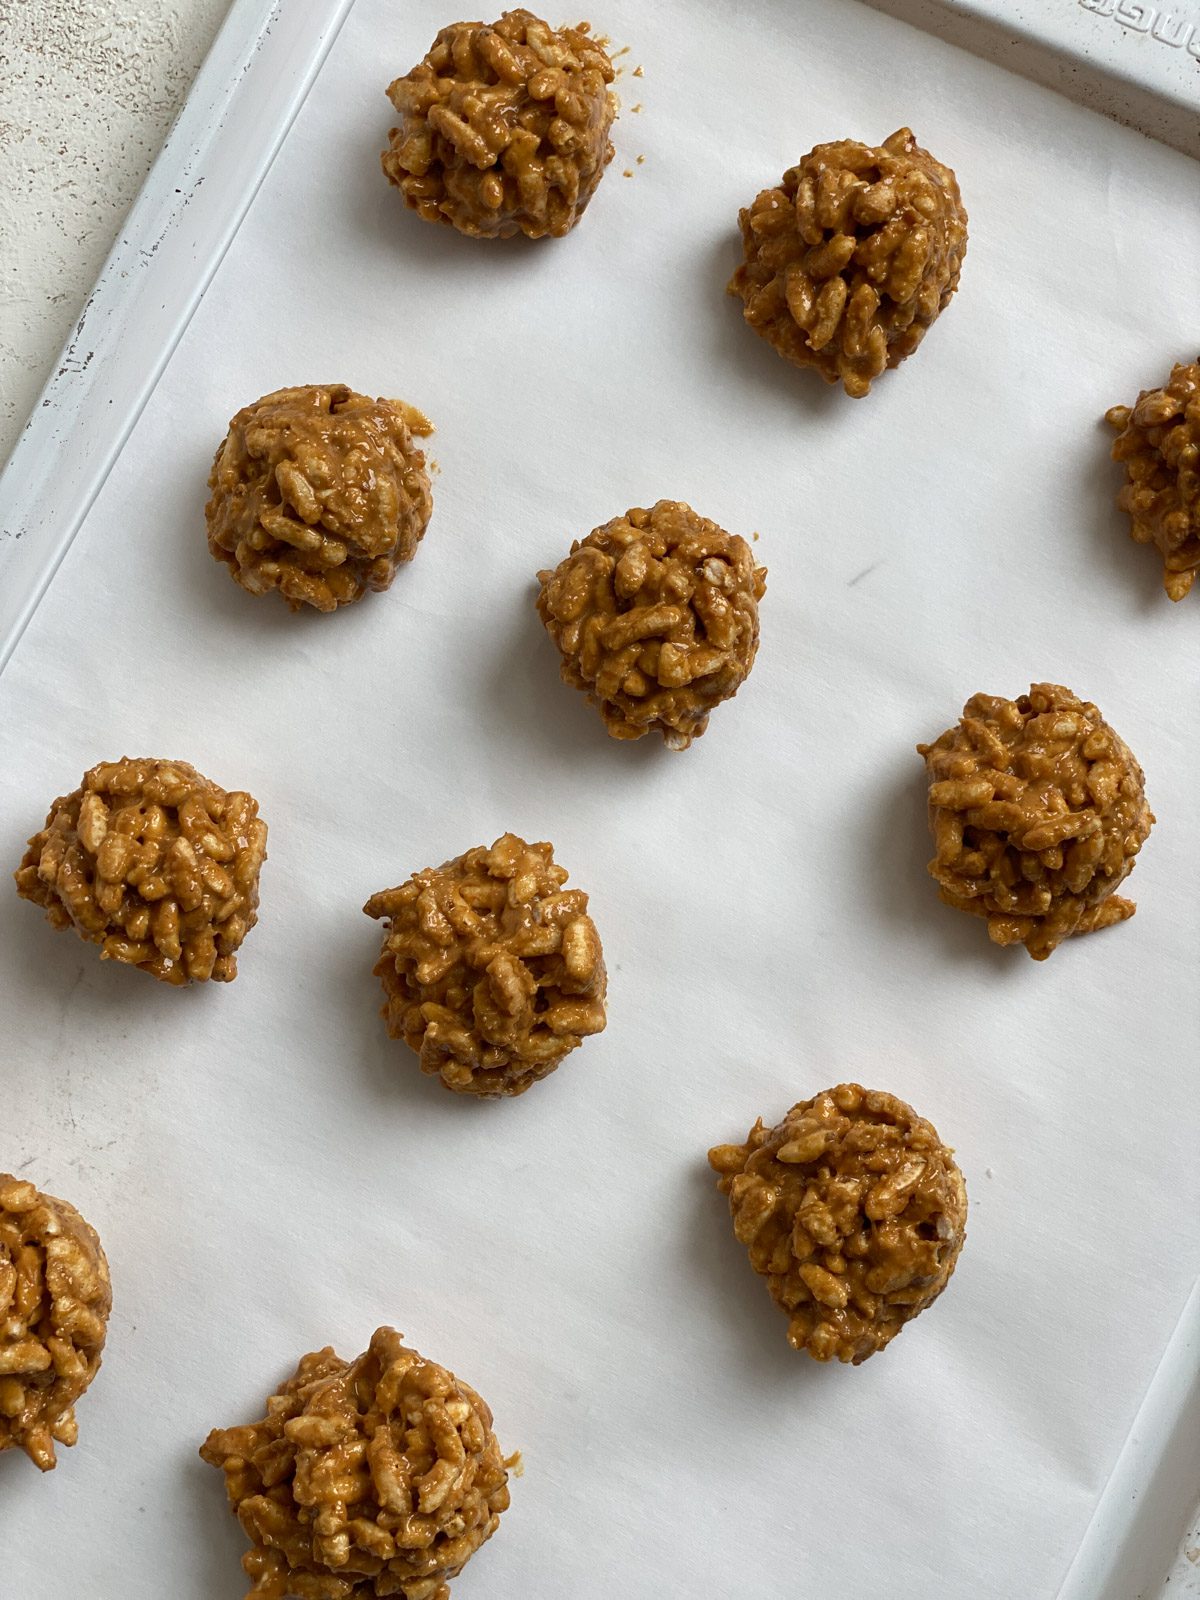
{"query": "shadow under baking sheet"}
(896, 876)
(218, 1542)
(379, 212)
(68, 970)
(751, 1324)
(390, 1070)
(524, 688)
(1135, 569)
(742, 357)
(214, 598)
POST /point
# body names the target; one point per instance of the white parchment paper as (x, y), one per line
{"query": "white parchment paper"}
(270, 1173)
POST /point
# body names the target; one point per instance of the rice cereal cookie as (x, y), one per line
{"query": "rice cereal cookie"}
(852, 257)
(492, 968)
(154, 863)
(853, 1210)
(319, 493)
(372, 1477)
(55, 1298)
(503, 127)
(1159, 445)
(1038, 811)
(655, 615)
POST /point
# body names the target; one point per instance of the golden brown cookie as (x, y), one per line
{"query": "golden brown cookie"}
(503, 127)
(319, 493)
(853, 1210)
(492, 969)
(55, 1298)
(852, 257)
(655, 616)
(373, 1477)
(1159, 444)
(156, 864)
(1038, 811)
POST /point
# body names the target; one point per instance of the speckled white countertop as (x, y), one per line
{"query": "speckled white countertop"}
(88, 89)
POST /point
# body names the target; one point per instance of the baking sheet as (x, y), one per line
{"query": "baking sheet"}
(1126, 58)
(270, 1173)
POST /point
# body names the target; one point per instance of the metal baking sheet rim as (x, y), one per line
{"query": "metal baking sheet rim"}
(241, 108)
(1137, 61)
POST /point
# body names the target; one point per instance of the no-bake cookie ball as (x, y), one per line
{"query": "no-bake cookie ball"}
(55, 1298)
(503, 127)
(320, 493)
(492, 969)
(154, 863)
(850, 260)
(853, 1210)
(1159, 443)
(656, 618)
(1038, 810)
(373, 1477)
